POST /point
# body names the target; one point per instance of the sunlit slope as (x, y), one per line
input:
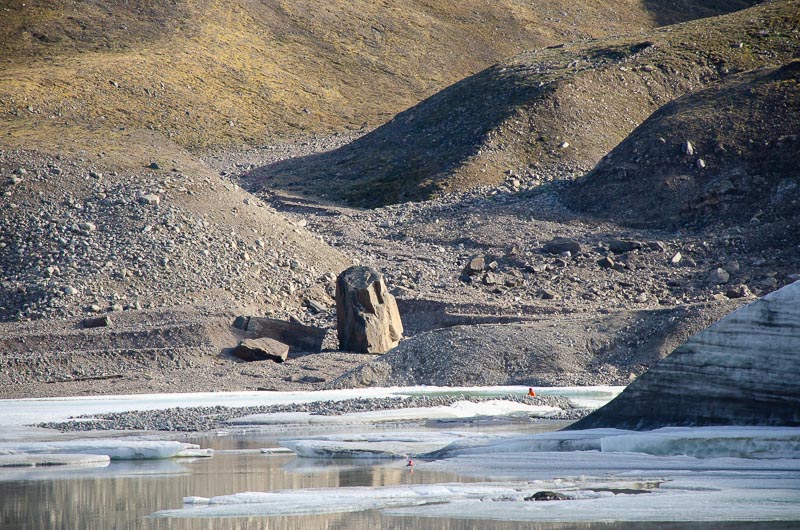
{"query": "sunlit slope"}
(543, 113)
(212, 72)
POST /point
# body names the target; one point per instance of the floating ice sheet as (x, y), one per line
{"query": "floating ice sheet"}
(698, 442)
(46, 459)
(380, 445)
(714, 498)
(727, 505)
(336, 500)
(116, 449)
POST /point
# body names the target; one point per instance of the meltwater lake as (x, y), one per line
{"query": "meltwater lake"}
(468, 474)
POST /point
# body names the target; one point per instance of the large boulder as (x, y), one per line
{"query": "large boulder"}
(743, 370)
(367, 318)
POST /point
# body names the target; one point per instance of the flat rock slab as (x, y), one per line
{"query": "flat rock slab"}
(299, 337)
(263, 349)
(96, 322)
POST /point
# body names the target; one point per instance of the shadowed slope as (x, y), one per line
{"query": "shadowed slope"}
(539, 113)
(742, 165)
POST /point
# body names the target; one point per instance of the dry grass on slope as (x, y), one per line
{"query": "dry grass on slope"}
(543, 113)
(213, 72)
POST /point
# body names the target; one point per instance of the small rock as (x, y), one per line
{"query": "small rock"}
(96, 322)
(621, 246)
(557, 245)
(739, 291)
(718, 276)
(547, 294)
(70, 290)
(150, 199)
(474, 266)
(640, 298)
(564, 145)
(606, 263)
(687, 148)
(87, 226)
(676, 259)
(154, 165)
(701, 164)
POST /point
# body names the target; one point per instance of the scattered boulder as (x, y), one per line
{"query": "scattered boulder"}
(621, 246)
(474, 266)
(367, 318)
(263, 349)
(96, 322)
(738, 291)
(606, 262)
(150, 199)
(559, 245)
(718, 276)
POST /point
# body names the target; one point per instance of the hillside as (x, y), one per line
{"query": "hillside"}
(741, 168)
(210, 73)
(540, 115)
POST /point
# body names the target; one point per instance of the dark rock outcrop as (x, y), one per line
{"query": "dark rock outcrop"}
(743, 370)
(367, 318)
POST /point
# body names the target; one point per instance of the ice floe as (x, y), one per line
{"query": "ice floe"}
(736, 505)
(698, 442)
(381, 444)
(115, 449)
(47, 459)
(337, 500)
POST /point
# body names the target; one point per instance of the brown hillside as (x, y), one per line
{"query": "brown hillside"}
(213, 72)
(541, 113)
(742, 169)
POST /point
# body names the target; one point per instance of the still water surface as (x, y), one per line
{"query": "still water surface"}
(123, 494)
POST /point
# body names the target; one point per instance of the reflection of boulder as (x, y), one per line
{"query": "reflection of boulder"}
(743, 370)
